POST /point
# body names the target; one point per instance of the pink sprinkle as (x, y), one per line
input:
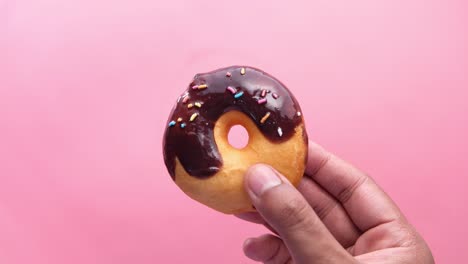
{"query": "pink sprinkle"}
(275, 96)
(263, 93)
(195, 87)
(262, 101)
(186, 98)
(228, 74)
(231, 89)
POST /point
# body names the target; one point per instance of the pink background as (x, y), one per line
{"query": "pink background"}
(86, 87)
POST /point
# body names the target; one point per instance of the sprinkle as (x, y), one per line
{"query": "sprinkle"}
(280, 132)
(231, 89)
(275, 96)
(179, 119)
(198, 104)
(183, 125)
(228, 74)
(264, 118)
(194, 115)
(263, 93)
(172, 123)
(200, 87)
(262, 101)
(299, 113)
(190, 105)
(242, 71)
(238, 95)
(185, 100)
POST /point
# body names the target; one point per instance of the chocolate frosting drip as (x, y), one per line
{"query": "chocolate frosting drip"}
(189, 135)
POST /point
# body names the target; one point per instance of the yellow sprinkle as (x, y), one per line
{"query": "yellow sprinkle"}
(202, 86)
(190, 105)
(265, 117)
(179, 119)
(198, 104)
(242, 71)
(194, 115)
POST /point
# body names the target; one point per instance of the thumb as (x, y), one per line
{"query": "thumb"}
(286, 210)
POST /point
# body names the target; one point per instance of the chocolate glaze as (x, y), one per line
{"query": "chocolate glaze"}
(194, 144)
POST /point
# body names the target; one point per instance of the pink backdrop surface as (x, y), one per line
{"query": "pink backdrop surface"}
(86, 87)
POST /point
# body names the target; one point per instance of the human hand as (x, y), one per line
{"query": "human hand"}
(337, 214)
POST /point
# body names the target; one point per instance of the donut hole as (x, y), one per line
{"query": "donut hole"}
(238, 137)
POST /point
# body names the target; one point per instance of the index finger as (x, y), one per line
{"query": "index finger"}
(365, 202)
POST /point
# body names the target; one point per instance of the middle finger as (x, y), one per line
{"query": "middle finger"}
(330, 211)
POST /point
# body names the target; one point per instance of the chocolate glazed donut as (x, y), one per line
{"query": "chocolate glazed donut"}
(190, 137)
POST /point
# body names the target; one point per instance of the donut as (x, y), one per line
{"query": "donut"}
(196, 149)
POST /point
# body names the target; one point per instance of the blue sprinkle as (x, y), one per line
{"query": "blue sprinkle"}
(238, 95)
(183, 125)
(172, 123)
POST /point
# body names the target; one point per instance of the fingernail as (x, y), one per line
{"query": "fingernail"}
(261, 178)
(247, 243)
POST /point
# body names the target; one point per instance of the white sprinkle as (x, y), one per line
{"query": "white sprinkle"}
(299, 114)
(194, 115)
(280, 132)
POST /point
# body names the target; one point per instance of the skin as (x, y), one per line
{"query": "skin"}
(337, 214)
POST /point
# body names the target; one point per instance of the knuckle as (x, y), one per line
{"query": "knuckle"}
(346, 193)
(295, 213)
(323, 210)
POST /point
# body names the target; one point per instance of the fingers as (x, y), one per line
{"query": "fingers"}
(286, 210)
(366, 204)
(327, 209)
(252, 217)
(267, 249)
(330, 211)
(256, 218)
